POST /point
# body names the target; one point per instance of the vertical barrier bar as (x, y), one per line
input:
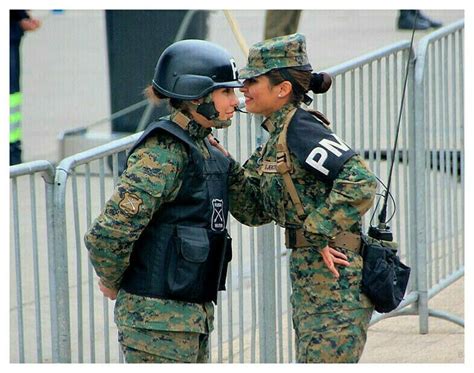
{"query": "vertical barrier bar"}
(455, 150)
(238, 156)
(18, 277)
(353, 111)
(406, 177)
(371, 117)
(419, 168)
(442, 156)
(39, 345)
(362, 124)
(251, 137)
(378, 115)
(61, 266)
(266, 293)
(343, 105)
(279, 297)
(90, 271)
(105, 300)
(289, 308)
(253, 336)
(219, 328)
(80, 319)
(388, 117)
(461, 114)
(396, 168)
(230, 289)
(429, 155)
(49, 198)
(436, 117)
(333, 104)
(449, 160)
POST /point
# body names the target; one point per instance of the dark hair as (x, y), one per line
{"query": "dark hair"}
(305, 81)
(156, 97)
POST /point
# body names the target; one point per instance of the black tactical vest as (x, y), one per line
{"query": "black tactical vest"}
(183, 252)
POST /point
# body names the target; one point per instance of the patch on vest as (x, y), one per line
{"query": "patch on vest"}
(130, 204)
(217, 218)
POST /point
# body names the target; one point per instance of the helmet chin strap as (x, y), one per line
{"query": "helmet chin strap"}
(208, 111)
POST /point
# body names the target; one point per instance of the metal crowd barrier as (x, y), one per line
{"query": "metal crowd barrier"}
(439, 136)
(253, 317)
(33, 335)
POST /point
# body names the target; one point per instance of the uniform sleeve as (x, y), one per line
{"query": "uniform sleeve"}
(245, 194)
(151, 178)
(351, 196)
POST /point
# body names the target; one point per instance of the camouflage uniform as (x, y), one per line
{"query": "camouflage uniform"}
(330, 316)
(150, 329)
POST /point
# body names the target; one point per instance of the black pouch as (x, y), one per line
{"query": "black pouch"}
(384, 276)
(186, 264)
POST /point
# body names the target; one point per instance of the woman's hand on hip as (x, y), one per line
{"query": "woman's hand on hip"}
(332, 257)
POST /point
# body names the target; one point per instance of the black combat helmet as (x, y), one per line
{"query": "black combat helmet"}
(190, 69)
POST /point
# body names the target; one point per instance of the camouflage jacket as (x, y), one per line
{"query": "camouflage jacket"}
(153, 176)
(330, 209)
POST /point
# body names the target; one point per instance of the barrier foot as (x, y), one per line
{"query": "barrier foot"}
(446, 316)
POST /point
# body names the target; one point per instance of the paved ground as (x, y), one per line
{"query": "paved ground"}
(66, 86)
(397, 340)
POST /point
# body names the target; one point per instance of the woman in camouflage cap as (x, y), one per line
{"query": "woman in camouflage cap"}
(160, 246)
(315, 186)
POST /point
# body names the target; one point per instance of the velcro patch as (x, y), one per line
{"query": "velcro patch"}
(269, 167)
(130, 204)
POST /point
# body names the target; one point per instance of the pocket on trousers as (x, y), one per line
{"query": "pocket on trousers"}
(187, 256)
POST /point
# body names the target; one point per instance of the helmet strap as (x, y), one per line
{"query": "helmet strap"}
(208, 110)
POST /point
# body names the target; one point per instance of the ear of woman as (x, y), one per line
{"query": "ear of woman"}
(285, 88)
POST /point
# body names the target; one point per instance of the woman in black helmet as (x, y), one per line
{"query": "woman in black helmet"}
(160, 246)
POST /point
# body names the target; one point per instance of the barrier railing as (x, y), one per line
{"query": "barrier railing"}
(33, 334)
(253, 317)
(439, 128)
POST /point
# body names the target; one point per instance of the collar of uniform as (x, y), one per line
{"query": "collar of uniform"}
(195, 129)
(275, 121)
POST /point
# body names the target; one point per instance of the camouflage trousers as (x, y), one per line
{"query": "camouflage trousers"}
(330, 316)
(281, 22)
(157, 346)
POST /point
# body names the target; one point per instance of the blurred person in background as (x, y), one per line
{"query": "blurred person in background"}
(20, 21)
(281, 22)
(406, 20)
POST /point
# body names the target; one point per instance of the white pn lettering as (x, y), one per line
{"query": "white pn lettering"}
(332, 146)
(318, 165)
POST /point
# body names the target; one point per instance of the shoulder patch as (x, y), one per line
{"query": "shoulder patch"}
(319, 149)
(130, 204)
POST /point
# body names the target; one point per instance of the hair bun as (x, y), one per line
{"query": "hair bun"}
(320, 82)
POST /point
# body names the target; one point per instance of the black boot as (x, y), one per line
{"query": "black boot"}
(406, 21)
(15, 153)
(432, 23)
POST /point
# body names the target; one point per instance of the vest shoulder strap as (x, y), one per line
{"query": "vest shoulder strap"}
(169, 127)
(285, 168)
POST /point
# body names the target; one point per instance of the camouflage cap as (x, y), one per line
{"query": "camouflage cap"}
(276, 53)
